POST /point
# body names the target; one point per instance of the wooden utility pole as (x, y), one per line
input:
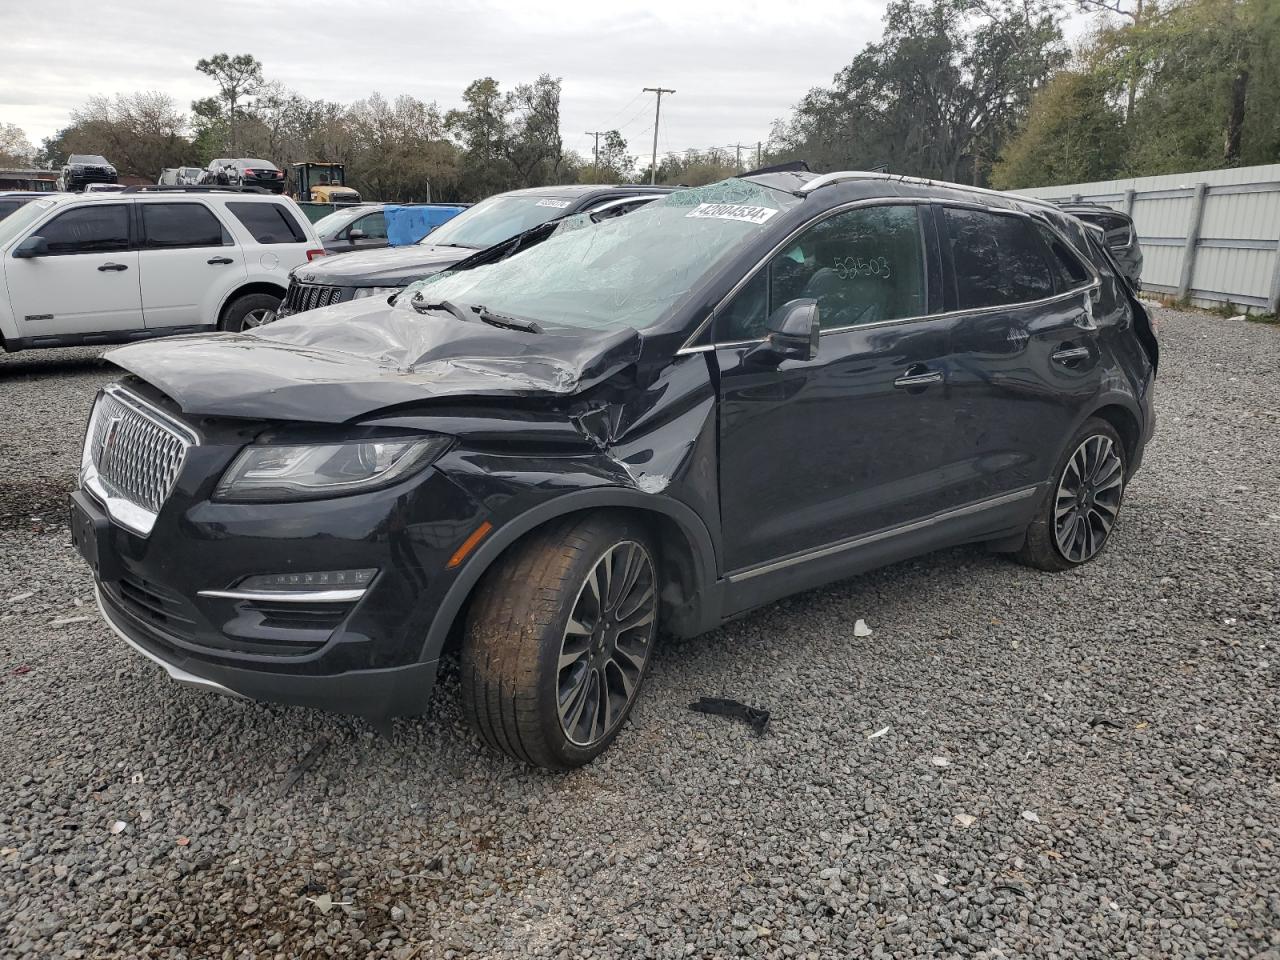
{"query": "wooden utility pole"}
(657, 114)
(595, 151)
(739, 147)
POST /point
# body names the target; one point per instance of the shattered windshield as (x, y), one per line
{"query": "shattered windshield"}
(625, 272)
(496, 219)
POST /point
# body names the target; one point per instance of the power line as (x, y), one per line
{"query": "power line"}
(595, 152)
(657, 115)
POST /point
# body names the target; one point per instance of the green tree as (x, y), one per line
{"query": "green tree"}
(1074, 134)
(480, 128)
(15, 149)
(940, 93)
(140, 133)
(237, 77)
(612, 165)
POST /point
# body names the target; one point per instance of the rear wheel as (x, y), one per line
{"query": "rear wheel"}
(250, 311)
(559, 639)
(1082, 506)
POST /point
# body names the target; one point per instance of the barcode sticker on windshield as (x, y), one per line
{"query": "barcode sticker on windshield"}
(732, 211)
(558, 204)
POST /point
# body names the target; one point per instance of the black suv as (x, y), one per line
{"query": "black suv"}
(735, 393)
(244, 172)
(493, 220)
(82, 169)
(1118, 233)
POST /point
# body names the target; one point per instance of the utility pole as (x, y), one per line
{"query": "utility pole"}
(657, 113)
(757, 154)
(739, 147)
(595, 164)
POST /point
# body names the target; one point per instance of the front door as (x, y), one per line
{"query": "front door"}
(855, 440)
(88, 280)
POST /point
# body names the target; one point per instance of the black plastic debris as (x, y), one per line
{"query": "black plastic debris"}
(755, 717)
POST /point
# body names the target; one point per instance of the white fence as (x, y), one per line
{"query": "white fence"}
(1210, 237)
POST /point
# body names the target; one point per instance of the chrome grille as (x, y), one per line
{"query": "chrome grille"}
(308, 296)
(134, 453)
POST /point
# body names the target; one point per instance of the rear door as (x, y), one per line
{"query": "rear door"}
(1024, 349)
(87, 282)
(857, 439)
(189, 262)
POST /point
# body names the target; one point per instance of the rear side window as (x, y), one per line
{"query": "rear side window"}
(94, 228)
(1071, 273)
(998, 259)
(374, 226)
(169, 225)
(268, 222)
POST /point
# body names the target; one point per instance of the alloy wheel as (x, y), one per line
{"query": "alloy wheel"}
(1088, 498)
(606, 643)
(258, 318)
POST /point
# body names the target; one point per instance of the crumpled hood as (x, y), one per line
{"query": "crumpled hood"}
(345, 361)
(386, 267)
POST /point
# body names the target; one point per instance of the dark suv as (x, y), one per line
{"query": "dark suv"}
(82, 169)
(735, 393)
(493, 220)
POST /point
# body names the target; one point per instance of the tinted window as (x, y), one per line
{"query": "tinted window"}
(863, 266)
(997, 259)
(496, 219)
(96, 228)
(1070, 272)
(8, 206)
(374, 226)
(268, 222)
(181, 225)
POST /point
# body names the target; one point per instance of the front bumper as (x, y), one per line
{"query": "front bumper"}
(394, 691)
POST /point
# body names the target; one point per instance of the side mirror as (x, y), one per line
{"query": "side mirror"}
(793, 333)
(355, 235)
(33, 246)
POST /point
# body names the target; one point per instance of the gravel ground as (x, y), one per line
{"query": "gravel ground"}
(1012, 764)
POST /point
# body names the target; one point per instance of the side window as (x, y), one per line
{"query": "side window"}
(94, 228)
(997, 259)
(374, 226)
(1070, 272)
(268, 222)
(168, 225)
(862, 266)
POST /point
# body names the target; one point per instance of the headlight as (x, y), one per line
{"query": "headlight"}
(384, 292)
(314, 471)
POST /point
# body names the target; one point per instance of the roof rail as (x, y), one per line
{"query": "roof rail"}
(827, 179)
(202, 188)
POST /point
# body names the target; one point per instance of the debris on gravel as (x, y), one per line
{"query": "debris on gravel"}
(1111, 739)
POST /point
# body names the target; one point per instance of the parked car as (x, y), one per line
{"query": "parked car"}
(180, 176)
(244, 172)
(109, 268)
(1120, 235)
(738, 392)
(361, 227)
(82, 169)
(382, 272)
(11, 200)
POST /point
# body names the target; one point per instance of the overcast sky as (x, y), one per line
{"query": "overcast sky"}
(736, 66)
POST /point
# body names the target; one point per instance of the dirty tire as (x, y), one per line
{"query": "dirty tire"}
(1041, 548)
(516, 631)
(240, 312)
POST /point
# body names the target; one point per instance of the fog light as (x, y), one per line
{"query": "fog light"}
(323, 580)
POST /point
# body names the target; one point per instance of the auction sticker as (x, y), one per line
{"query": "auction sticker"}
(732, 211)
(558, 204)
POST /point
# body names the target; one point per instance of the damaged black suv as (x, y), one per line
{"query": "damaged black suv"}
(735, 393)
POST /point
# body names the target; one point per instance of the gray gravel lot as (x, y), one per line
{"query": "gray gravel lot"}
(1077, 765)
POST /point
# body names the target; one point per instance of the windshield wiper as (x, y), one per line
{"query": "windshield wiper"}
(422, 306)
(510, 323)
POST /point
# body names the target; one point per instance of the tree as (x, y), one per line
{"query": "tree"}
(15, 149)
(140, 133)
(399, 150)
(480, 127)
(237, 77)
(534, 146)
(1074, 134)
(693, 168)
(938, 96)
(612, 164)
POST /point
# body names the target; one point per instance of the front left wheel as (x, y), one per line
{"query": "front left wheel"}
(559, 638)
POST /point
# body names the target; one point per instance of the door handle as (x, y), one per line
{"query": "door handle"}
(112, 266)
(1067, 354)
(219, 260)
(918, 375)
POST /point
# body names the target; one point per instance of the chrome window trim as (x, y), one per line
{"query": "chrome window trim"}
(1094, 284)
(862, 540)
(286, 596)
